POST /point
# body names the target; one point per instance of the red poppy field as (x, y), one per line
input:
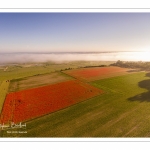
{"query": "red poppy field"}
(31, 103)
(96, 73)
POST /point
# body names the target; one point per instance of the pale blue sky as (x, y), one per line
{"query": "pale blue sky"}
(74, 32)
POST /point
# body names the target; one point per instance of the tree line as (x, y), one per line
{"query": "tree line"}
(132, 64)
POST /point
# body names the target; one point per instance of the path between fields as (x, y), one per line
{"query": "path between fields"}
(3, 92)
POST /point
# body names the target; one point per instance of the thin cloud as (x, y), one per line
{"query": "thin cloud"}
(59, 57)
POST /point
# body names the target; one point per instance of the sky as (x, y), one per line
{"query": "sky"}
(74, 32)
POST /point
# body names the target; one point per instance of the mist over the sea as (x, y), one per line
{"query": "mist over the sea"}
(60, 57)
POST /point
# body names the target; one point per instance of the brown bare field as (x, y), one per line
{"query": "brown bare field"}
(36, 81)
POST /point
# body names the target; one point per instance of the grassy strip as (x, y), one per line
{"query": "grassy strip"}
(3, 91)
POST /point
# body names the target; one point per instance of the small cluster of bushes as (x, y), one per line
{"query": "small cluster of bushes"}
(66, 69)
(94, 66)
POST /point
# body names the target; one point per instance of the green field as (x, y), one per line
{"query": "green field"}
(122, 111)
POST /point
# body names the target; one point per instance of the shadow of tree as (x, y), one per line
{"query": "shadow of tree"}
(143, 96)
(148, 74)
(145, 84)
(134, 70)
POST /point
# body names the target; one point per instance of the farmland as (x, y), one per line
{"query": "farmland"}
(118, 105)
(112, 114)
(37, 80)
(31, 103)
(92, 74)
(18, 71)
